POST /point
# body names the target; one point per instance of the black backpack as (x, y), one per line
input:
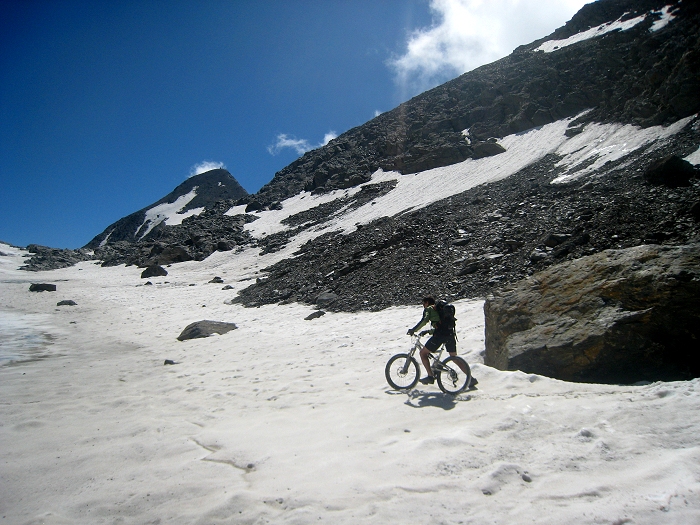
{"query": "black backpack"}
(446, 311)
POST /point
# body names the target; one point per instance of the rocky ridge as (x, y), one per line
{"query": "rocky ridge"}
(195, 238)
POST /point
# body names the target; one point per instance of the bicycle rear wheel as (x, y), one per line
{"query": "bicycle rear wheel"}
(402, 372)
(454, 380)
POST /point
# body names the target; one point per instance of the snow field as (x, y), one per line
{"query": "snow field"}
(291, 421)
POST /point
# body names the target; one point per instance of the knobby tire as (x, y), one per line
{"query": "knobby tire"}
(394, 376)
(450, 385)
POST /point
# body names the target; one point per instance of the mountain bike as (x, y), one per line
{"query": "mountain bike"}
(402, 370)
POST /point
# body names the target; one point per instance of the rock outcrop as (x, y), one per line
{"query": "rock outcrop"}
(45, 258)
(671, 171)
(205, 329)
(619, 316)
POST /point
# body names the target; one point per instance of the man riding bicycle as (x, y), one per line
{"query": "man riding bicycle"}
(440, 335)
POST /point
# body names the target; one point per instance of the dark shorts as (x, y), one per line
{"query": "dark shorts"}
(437, 339)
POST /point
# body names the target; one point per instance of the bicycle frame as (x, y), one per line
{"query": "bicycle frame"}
(436, 365)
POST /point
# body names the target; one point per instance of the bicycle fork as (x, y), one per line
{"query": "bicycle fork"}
(404, 370)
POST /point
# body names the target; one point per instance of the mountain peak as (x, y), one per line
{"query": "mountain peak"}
(193, 196)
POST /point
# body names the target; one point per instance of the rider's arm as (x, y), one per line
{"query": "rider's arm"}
(423, 321)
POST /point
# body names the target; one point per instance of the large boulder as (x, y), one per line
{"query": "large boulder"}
(205, 329)
(154, 271)
(170, 255)
(619, 316)
(671, 171)
(486, 149)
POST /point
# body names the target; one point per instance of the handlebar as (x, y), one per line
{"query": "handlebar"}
(419, 334)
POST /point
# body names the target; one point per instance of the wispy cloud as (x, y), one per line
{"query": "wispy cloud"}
(301, 146)
(204, 166)
(466, 34)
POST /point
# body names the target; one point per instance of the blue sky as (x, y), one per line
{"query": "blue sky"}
(106, 106)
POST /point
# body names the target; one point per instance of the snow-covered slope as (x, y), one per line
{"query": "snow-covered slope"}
(624, 23)
(291, 421)
(580, 156)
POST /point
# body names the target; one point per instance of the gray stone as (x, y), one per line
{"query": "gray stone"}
(68, 302)
(170, 255)
(42, 287)
(153, 271)
(486, 149)
(326, 298)
(201, 329)
(315, 315)
(462, 241)
(555, 239)
(538, 255)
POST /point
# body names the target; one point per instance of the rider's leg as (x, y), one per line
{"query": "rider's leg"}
(431, 345)
(451, 346)
(459, 363)
(426, 362)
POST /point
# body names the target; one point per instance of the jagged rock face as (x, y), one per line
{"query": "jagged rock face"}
(616, 316)
(635, 76)
(210, 187)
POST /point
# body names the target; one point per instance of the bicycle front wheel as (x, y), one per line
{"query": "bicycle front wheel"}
(401, 372)
(456, 378)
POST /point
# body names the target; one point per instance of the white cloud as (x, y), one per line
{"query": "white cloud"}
(467, 34)
(328, 137)
(301, 146)
(204, 166)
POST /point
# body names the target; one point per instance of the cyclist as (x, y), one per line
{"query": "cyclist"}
(439, 335)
